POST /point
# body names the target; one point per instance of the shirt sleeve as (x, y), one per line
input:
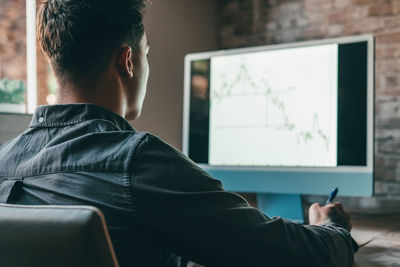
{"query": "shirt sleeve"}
(189, 213)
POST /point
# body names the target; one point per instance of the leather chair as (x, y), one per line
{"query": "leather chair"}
(56, 236)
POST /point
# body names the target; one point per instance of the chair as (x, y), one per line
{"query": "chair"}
(62, 236)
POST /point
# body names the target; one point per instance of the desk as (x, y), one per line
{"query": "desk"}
(382, 232)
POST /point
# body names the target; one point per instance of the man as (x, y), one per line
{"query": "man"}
(161, 209)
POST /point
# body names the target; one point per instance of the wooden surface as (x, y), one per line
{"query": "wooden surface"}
(382, 235)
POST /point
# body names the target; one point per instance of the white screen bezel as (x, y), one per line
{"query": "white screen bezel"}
(370, 102)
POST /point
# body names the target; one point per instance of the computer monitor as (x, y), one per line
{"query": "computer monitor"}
(284, 120)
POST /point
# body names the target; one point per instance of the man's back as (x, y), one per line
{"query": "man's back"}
(157, 203)
(80, 155)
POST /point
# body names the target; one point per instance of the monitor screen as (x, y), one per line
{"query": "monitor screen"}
(274, 108)
(301, 106)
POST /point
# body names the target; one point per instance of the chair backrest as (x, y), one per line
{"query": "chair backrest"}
(62, 236)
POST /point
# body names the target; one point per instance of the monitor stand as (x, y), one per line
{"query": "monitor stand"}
(283, 205)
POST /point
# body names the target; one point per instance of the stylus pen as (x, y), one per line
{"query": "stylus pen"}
(332, 195)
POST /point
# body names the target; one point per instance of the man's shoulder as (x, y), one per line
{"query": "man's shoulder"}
(146, 141)
(32, 153)
(138, 139)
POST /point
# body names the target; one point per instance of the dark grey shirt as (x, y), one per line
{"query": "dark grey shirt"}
(159, 205)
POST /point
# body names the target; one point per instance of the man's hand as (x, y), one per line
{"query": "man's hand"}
(333, 212)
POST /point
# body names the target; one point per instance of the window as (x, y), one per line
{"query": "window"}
(26, 79)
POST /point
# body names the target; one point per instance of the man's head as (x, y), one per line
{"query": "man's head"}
(81, 38)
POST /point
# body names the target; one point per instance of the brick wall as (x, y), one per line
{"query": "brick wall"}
(260, 22)
(13, 47)
(13, 40)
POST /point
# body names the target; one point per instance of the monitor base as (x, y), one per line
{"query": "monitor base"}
(283, 205)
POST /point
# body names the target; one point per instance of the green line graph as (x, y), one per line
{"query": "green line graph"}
(244, 85)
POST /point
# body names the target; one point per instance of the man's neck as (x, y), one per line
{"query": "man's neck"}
(106, 95)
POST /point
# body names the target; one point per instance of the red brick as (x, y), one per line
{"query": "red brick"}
(378, 10)
(339, 16)
(387, 52)
(363, 2)
(13, 40)
(393, 37)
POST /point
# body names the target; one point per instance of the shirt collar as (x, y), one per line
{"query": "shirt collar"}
(69, 114)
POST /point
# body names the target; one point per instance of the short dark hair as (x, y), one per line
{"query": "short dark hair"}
(80, 36)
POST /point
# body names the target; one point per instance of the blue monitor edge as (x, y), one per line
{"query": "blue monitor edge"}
(276, 185)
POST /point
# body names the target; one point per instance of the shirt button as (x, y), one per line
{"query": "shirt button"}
(41, 119)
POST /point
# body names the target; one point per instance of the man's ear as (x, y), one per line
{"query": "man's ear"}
(124, 61)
